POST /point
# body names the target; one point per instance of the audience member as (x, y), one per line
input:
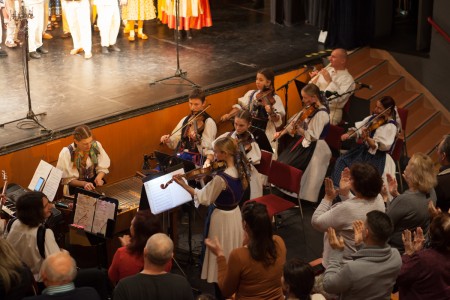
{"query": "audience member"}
(372, 272)
(58, 272)
(410, 209)
(298, 281)
(154, 282)
(425, 273)
(365, 182)
(254, 270)
(129, 259)
(16, 279)
(32, 209)
(443, 178)
(335, 78)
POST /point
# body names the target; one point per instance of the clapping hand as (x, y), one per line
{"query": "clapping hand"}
(413, 243)
(392, 185)
(336, 242)
(345, 183)
(358, 228)
(214, 246)
(125, 240)
(330, 191)
(433, 210)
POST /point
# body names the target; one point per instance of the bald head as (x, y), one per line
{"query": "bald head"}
(158, 250)
(338, 59)
(58, 269)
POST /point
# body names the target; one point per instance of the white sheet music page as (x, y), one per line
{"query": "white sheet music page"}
(50, 175)
(103, 211)
(84, 211)
(161, 200)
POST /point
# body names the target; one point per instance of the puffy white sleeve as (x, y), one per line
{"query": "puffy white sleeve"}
(66, 166)
(176, 135)
(209, 193)
(244, 101)
(279, 109)
(208, 137)
(384, 137)
(103, 160)
(315, 127)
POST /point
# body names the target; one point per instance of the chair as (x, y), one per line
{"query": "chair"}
(286, 177)
(403, 114)
(396, 153)
(333, 139)
(264, 165)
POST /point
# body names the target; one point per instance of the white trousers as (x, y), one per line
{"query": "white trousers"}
(78, 19)
(35, 25)
(108, 22)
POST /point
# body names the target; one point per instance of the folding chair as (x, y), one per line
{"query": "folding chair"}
(264, 165)
(286, 177)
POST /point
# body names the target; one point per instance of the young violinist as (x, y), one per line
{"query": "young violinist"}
(378, 133)
(222, 194)
(265, 106)
(194, 141)
(308, 150)
(247, 144)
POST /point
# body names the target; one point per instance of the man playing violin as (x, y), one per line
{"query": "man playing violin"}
(308, 150)
(194, 141)
(335, 78)
(378, 133)
(265, 106)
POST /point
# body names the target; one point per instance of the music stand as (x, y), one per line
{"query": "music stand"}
(166, 160)
(22, 16)
(178, 73)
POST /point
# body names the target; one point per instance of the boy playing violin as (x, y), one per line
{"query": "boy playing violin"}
(194, 141)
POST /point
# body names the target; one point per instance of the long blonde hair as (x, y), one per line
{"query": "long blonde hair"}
(228, 145)
(9, 265)
(423, 174)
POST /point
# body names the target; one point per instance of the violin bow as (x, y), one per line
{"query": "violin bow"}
(190, 121)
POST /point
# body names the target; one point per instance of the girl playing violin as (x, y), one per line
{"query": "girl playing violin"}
(265, 106)
(378, 132)
(246, 141)
(223, 194)
(308, 151)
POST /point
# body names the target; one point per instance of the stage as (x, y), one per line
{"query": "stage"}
(109, 88)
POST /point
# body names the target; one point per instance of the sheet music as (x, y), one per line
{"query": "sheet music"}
(52, 177)
(84, 211)
(103, 211)
(161, 200)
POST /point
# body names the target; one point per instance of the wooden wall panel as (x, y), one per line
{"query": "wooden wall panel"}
(128, 140)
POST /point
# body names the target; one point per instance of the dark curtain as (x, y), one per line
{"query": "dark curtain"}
(351, 23)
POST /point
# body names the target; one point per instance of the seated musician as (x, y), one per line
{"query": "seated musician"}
(267, 112)
(192, 140)
(308, 151)
(222, 194)
(378, 139)
(247, 144)
(84, 162)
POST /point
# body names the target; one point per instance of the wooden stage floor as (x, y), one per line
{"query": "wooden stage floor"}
(73, 91)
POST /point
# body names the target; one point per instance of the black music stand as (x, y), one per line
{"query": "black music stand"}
(178, 73)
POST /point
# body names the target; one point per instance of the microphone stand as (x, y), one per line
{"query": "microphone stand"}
(286, 88)
(21, 16)
(178, 73)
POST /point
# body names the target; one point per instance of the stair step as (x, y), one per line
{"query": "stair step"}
(380, 79)
(420, 112)
(359, 68)
(401, 96)
(358, 54)
(428, 136)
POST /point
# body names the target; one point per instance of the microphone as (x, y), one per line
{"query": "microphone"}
(328, 94)
(363, 85)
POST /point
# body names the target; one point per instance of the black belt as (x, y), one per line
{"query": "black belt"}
(223, 207)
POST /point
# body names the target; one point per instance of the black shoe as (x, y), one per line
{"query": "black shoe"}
(105, 50)
(42, 50)
(35, 55)
(114, 48)
(3, 53)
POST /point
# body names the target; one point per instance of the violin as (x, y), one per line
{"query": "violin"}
(200, 173)
(375, 124)
(305, 114)
(196, 125)
(264, 98)
(245, 139)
